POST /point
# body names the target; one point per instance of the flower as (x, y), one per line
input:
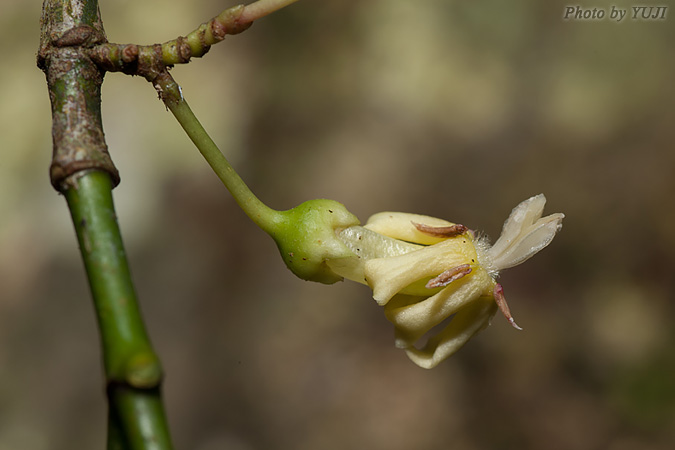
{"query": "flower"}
(426, 271)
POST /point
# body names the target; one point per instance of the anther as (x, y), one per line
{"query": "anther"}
(449, 276)
(449, 231)
(503, 306)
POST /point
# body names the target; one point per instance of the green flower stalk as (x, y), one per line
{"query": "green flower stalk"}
(306, 235)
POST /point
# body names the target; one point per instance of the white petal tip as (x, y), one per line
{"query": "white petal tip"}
(524, 234)
(514, 324)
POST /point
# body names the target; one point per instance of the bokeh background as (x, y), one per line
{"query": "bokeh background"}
(449, 108)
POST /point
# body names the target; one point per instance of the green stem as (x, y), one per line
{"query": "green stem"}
(116, 439)
(263, 216)
(306, 235)
(132, 368)
(151, 432)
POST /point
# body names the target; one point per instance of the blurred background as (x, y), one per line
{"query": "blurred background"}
(443, 107)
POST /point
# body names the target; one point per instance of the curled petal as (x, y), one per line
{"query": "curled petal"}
(464, 325)
(413, 317)
(523, 215)
(402, 226)
(389, 276)
(524, 234)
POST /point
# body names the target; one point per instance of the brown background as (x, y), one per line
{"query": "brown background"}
(449, 108)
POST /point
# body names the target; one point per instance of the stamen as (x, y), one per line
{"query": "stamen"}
(449, 276)
(503, 306)
(451, 231)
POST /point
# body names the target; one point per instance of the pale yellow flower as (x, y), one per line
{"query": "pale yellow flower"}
(425, 270)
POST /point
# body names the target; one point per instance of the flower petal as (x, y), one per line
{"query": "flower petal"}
(524, 234)
(401, 226)
(389, 276)
(535, 238)
(464, 325)
(414, 317)
(521, 216)
(365, 245)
